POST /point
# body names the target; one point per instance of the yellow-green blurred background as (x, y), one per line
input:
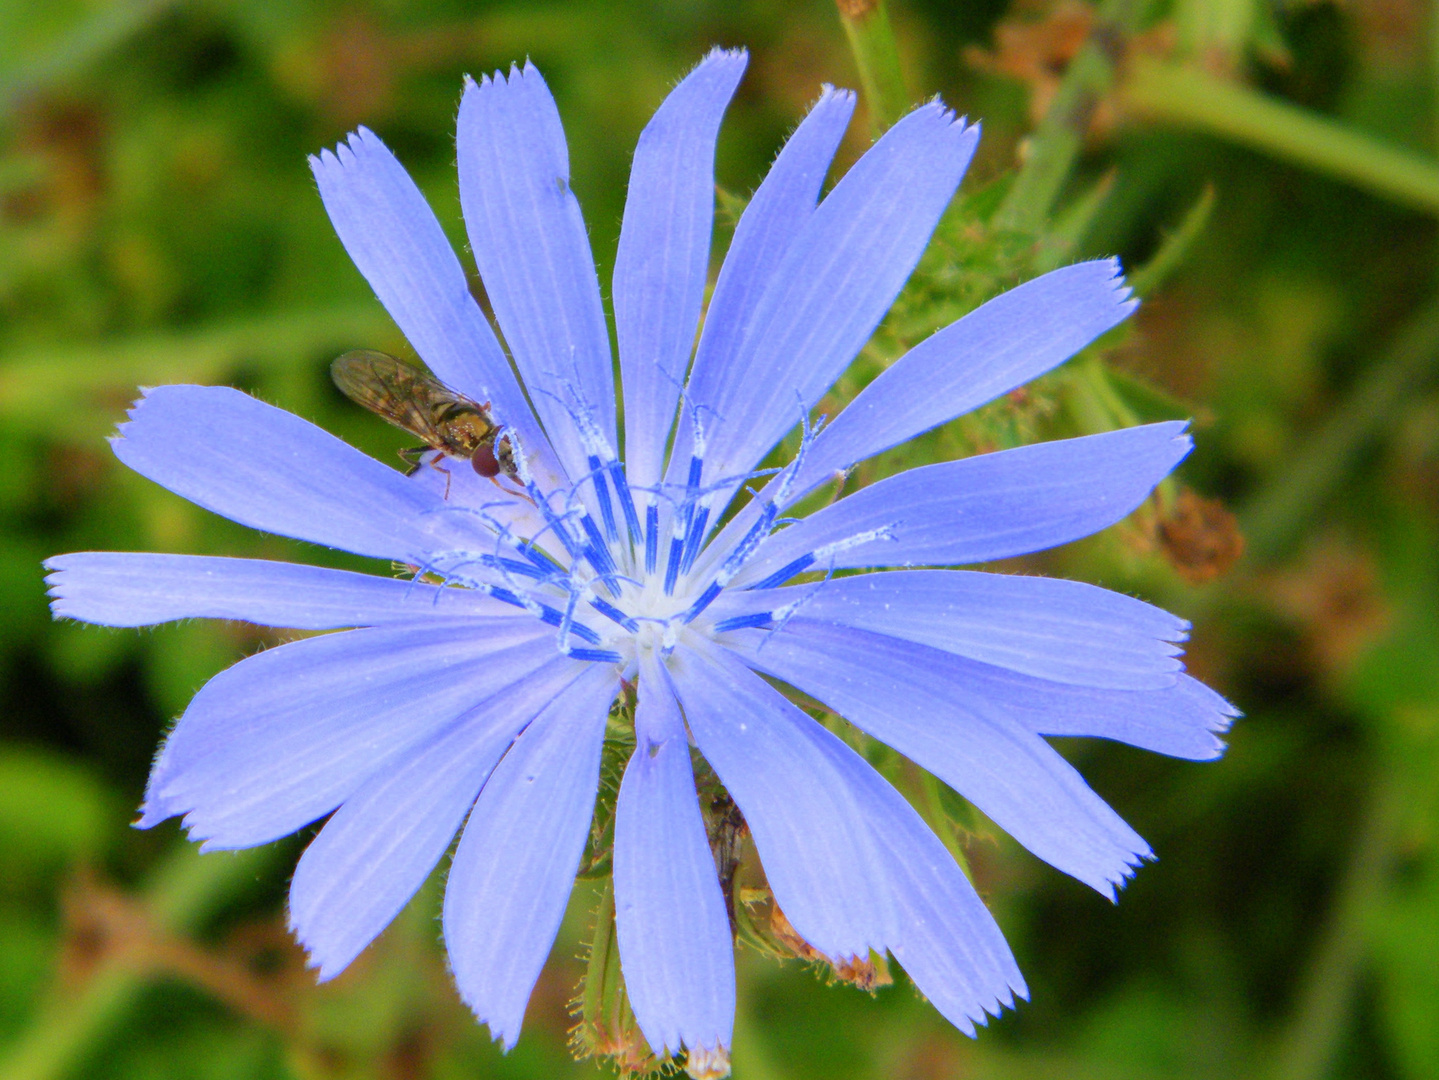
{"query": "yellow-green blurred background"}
(1269, 168)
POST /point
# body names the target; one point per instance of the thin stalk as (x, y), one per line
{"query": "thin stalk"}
(1307, 1046)
(1196, 99)
(1056, 142)
(1174, 248)
(109, 27)
(881, 77)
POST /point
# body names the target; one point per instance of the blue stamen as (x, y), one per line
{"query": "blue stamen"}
(599, 555)
(554, 523)
(602, 493)
(541, 559)
(652, 538)
(736, 559)
(706, 598)
(672, 569)
(784, 573)
(551, 616)
(744, 622)
(609, 611)
(598, 656)
(514, 566)
(696, 535)
(627, 500)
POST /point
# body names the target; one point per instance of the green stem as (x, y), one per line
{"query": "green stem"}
(1327, 994)
(184, 892)
(881, 77)
(112, 25)
(1174, 248)
(1275, 518)
(1056, 142)
(1193, 98)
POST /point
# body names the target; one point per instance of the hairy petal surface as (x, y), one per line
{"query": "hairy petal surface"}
(285, 736)
(838, 278)
(533, 253)
(880, 869)
(141, 588)
(767, 229)
(670, 916)
(1002, 344)
(1066, 631)
(392, 235)
(916, 700)
(663, 256)
(516, 861)
(987, 507)
(268, 469)
(379, 847)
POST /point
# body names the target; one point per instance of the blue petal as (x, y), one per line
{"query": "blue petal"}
(920, 701)
(987, 507)
(125, 588)
(285, 736)
(766, 231)
(516, 862)
(1003, 344)
(838, 278)
(379, 847)
(1184, 720)
(1053, 629)
(533, 253)
(663, 257)
(792, 783)
(948, 942)
(674, 933)
(392, 235)
(850, 862)
(270, 470)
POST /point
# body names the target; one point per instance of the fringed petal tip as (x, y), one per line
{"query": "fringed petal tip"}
(132, 413)
(721, 55)
(347, 152)
(1123, 295)
(1126, 873)
(325, 968)
(829, 92)
(503, 78)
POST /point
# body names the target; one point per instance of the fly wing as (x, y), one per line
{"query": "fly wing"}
(403, 394)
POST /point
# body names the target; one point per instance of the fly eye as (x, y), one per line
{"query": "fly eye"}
(484, 460)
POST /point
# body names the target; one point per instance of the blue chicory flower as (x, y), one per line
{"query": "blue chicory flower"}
(476, 695)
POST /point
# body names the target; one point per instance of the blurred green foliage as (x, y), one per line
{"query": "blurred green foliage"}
(1267, 172)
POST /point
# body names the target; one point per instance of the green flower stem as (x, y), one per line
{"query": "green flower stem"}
(1192, 98)
(184, 893)
(1055, 144)
(871, 40)
(1277, 516)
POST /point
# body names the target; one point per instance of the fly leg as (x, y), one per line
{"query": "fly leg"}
(415, 457)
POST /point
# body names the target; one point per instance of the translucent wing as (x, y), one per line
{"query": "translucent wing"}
(403, 394)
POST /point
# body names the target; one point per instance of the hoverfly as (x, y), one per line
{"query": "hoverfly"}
(417, 402)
